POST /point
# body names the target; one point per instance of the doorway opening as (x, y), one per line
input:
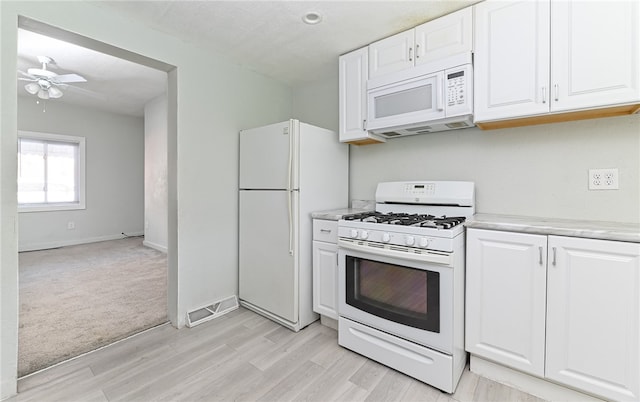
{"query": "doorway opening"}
(92, 255)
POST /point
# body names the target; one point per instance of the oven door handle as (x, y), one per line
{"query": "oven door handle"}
(426, 256)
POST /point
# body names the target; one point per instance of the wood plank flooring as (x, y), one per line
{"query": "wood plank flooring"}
(240, 356)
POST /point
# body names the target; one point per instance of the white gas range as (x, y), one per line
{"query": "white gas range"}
(401, 279)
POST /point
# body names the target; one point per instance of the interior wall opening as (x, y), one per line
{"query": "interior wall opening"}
(163, 110)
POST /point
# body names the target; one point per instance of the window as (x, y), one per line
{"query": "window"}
(51, 171)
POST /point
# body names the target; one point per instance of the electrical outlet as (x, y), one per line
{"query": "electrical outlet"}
(603, 179)
(71, 225)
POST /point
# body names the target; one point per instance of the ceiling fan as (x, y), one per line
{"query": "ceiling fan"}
(47, 84)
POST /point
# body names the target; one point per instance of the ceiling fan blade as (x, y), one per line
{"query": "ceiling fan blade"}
(83, 91)
(27, 79)
(27, 75)
(70, 78)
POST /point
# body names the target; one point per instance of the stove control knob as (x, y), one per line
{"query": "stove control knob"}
(364, 234)
(354, 233)
(424, 242)
(409, 240)
(386, 237)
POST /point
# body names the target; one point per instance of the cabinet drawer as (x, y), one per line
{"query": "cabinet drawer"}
(325, 230)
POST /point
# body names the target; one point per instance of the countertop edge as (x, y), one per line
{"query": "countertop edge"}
(627, 232)
(336, 214)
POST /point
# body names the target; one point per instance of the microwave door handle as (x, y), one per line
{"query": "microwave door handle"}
(439, 106)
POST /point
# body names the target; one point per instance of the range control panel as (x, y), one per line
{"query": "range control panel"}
(420, 189)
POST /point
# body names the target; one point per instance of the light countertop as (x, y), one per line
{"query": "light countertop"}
(629, 232)
(336, 214)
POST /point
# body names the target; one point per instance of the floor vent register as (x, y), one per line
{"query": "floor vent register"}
(209, 312)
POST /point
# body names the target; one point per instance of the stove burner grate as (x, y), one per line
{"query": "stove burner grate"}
(404, 219)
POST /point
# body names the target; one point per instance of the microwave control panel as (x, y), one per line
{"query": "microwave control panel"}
(459, 90)
(456, 88)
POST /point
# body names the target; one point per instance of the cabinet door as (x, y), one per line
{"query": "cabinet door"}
(325, 279)
(444, 36)
(391, 54)
(511, 60)
(593, 316)
(595, 67)
(505, 298)
(353, 72)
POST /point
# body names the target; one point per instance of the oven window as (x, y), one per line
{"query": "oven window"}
(401, 294)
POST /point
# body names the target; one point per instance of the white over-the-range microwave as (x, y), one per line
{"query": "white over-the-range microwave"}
(432, 97)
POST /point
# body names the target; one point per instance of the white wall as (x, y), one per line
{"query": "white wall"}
(535, 171)
(155, 174)
(114, 176)
(316, 103)
(203, 157)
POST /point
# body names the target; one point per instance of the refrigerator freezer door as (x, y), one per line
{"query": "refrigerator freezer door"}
(268, 272)
(268, 157)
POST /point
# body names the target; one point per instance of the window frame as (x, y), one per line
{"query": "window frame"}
(81, 172)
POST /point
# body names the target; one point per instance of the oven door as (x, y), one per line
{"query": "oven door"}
(410, 297)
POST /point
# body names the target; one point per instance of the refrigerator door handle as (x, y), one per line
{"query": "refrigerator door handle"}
(290, 211)
(290, 161)
(290, 186)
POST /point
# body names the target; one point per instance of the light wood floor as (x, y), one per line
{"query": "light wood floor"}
(242, 357)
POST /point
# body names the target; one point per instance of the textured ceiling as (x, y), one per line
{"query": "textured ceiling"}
(113, 84)
(265, 36)
(270, 36)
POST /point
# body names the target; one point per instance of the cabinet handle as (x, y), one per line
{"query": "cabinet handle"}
(554, 256)
(364, 124)
(417, 50)
(540, 255)
(410, 54)
(544, 94)
(555, 86)
(325, 230)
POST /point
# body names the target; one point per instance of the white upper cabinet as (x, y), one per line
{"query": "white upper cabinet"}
(352, 99)
(445, 36)
(433, 40)
(591, 67)
(539, 57)
(511, 61)
(391, 54)
(593, 316)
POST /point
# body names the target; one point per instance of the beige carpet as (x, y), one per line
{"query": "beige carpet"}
(78, 298)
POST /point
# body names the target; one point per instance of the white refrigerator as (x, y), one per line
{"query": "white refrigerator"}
(287, 170)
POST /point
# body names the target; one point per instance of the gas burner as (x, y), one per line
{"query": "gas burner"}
(405, 219)
(443, 222)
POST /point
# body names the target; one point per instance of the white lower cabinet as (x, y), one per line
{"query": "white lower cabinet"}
(506, 288)
(593, 316)
(560, 308)
(325, 268)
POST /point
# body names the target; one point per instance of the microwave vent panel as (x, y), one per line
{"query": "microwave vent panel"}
(459, 124)
(423, 129)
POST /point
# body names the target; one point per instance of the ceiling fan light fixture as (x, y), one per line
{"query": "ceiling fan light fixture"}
(32, 88)
(42, 94)
(55, 93)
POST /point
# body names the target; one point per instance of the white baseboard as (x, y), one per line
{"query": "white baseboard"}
(526, 383)
(329, 322)
(155, 246)
(9, 387)
(72, 242)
